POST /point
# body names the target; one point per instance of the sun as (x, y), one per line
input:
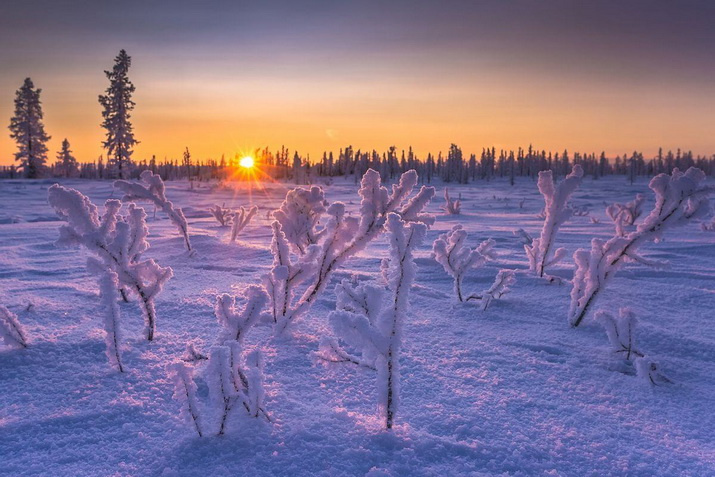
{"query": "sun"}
(246, 162)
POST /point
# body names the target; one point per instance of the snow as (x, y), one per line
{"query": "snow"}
(510, 390)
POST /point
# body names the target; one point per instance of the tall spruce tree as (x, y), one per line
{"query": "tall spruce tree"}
(66, 162)
(117, 105)
(28, 131)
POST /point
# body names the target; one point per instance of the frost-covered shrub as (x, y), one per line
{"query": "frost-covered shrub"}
(240, 219)
(541, 252)
(679, 198)
(235, 381)
(117, 243)
(621, 332)
(705, 227)
(624, 215)
(221, 214)
(370, 320)
(340, 238)
(450, 251)
(649, 371)
(500, 287)
(452, 206)
(299, 215)
(153, 190)
(11, 331)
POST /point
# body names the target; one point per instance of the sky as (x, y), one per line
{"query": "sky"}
(225, 77)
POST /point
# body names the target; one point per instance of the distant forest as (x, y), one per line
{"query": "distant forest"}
(451, 167)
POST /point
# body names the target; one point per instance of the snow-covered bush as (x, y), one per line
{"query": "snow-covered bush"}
(649, 371)
(450, 251)
(679, 198)
(299, 215)
(541, 252)
(117, 243)
(234, 380)
(182, 375)
(624, 215)
(11, 331)
(621, 332)
(452, 206)
(340, 238)
(240, 219)
(221, 214)
(370, 320)
(154, 191)
(705, 227)
(500, 287)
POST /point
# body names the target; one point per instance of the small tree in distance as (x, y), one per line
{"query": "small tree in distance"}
(117, 105)
(66, 161)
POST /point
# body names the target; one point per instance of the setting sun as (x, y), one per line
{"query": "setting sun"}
(246, 162)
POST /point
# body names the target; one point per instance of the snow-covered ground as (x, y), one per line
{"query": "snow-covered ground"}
(511, 390)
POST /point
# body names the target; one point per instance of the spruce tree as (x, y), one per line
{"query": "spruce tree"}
(117, 105)
(28, 131)
(66, 162)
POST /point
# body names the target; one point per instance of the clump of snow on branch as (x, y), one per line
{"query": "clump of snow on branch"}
(153, 190)
(11, 331)
(621, 330)
(500, 287)
(109, 296)
(117, 243)
(541, 251)
(370, 320)
(679, 198)
(294, 283)
(450, 251)
(452, 206)
(624, 215)
(240, 219)
(299, 215)
(221, 214)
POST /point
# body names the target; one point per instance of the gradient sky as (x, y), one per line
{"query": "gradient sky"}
(227, 76)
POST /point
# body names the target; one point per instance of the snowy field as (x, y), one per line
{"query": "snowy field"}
(511, 390)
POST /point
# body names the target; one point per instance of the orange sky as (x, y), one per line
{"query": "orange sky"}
(372, 84)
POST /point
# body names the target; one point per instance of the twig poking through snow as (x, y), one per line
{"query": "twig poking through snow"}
(240, 219)
(11, 331)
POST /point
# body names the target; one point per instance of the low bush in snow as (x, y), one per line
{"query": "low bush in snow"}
(318, 253)
(234, 378)
(540, 251)
(240, 219)
(679, 198)
(369, 320)
(117, 243)
(452, 206)
(153, 190)
(450, 251)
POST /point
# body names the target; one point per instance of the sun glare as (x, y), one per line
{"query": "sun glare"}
(246, 162)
